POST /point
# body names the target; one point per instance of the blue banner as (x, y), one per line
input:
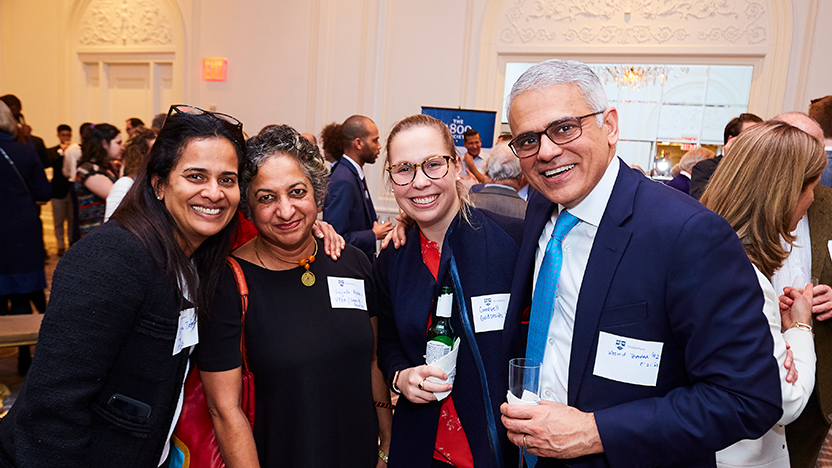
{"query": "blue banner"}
(460, 120)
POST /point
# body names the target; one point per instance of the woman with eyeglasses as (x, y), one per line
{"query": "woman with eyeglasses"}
(474, 253)
(105, 384)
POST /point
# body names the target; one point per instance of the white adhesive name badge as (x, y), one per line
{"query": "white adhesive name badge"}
(188, 332)
(489, 312)
(346, 293)
(628, 360)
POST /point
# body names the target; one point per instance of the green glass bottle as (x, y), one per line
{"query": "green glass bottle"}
(441, 334)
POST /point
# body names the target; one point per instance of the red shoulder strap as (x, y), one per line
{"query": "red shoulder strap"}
(242, 287)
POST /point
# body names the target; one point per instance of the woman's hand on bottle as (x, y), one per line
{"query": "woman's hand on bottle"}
(410, 379)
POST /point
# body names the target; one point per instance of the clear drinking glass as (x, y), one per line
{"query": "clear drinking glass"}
(523, 380)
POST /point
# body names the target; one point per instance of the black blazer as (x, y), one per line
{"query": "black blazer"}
(109, 329)
(485, 253)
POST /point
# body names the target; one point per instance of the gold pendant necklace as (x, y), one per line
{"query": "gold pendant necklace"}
(308, 278)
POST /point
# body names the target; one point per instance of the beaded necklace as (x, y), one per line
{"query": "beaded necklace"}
(308, 278)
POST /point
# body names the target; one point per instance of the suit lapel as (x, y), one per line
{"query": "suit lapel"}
(819, 217)
(368, 206)
(610, 242)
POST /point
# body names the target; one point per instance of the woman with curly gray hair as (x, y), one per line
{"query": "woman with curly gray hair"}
(311, 327)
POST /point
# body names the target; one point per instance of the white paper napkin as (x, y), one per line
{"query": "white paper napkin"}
(448, 365)
(529, 398)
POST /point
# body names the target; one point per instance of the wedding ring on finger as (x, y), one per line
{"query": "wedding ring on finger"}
(524, 442)
(422, 384)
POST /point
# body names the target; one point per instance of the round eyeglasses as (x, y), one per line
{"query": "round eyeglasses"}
(435, 167)
(560, 132)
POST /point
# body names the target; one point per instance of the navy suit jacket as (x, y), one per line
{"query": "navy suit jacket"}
(681, 183)
(486, 252)
(349, 212)
(665, 269)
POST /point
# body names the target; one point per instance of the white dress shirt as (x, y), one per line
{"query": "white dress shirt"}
(71, 156)
(554, 371)
(797, 268)
(355, 165)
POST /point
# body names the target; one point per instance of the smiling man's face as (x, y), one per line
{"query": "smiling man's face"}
(565, 174)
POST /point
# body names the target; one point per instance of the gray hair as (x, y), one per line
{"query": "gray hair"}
(552, 72)
(502, 163)
(283, 139)
(694, 156)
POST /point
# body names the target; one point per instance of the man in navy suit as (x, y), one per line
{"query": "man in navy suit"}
(348, 206)
(657, 350)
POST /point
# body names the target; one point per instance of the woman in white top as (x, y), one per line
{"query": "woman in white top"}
(763, 186)
(135, 154)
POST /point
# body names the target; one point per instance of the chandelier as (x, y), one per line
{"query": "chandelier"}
(638, 76)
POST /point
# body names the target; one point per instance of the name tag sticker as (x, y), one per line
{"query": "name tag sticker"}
(188, 332)
(489, 312)
(628, 360)
(346, 293)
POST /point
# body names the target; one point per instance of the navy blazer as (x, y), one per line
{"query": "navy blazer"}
(349, 212)
(664, 268)
(681, 183)
(485, 251)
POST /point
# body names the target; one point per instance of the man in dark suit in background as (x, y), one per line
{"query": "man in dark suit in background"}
(500, 195)
(821, 110)
(61, 199)
(348, 206)
(646, 312)
(702, 172)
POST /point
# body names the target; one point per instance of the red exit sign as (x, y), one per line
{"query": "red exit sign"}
(214, 68)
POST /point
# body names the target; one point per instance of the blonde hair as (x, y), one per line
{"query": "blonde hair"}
(694, 156)
(757, 185)
(421, 120)
(8, 123)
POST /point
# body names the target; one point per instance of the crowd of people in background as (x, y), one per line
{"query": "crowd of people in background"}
(667, 331)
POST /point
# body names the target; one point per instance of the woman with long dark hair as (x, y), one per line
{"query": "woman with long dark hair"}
(96, 174)
(105, 384)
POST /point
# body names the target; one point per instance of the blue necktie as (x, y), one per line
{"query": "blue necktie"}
(543, 300)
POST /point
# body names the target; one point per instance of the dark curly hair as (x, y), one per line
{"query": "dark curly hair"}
(285, 140)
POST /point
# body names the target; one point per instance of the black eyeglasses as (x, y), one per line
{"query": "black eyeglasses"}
(435, 167)
(560, 132)
(232, 122)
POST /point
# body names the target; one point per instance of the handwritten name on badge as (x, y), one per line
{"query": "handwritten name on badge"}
(346, 293)
(188, 332)
(489, 312)
(628, 360)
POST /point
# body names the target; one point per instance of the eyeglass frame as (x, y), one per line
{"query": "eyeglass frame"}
(225, 118)
(546, 130)
(447, 159)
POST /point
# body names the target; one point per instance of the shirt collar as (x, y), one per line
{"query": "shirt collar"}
(591, 209)
(355, 165)
(501, 185)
